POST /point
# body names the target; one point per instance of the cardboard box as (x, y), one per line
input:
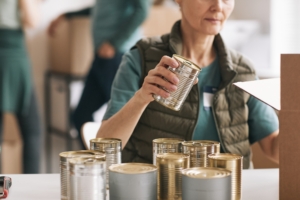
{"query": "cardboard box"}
(288, 96)
(161, 19)
(71, 49)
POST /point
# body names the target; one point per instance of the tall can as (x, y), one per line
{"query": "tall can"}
(197, 152)
(112, 147)
(187, 72)
(169, 177)
(233, 163)
(64, 168)
(206, 183)
(166, 145)
(87, 179)
(133, 181)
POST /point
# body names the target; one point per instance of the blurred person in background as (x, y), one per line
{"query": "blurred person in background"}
(115, 29)
(17, 93)
(214, 109)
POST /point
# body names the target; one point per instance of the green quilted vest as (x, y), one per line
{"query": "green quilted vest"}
(229, 104)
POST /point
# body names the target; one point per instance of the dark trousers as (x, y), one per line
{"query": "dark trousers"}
(96, 91)
(30, 128)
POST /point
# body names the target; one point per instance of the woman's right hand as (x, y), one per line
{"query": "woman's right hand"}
(156, 77)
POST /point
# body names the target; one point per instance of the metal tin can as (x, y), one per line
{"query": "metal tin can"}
(206, 183)
(64, 168)
(233, 163)
(166, 145)
(87, 179)
(112, 147)
(133, 181)
(169, 177)
(187, 72)
(197, 152)
(216, 145)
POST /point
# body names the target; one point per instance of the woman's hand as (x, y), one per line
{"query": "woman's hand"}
(155, 78)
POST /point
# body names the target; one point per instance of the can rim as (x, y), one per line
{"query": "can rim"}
(172, 156)
(81, 153)
(86, 161)
(106, 140)
(168, 140)
(114, 168)
(185, 60)
(226, 172)
(225, 156)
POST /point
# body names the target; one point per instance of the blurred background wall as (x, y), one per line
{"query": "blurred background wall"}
(252, 29)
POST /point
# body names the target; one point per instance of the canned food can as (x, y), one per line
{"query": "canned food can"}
(87, 179)
(206, 183)
(216, 145)
(64, 168)
(169, 177)
(187, 72)
(233, 163)
(166, 145)
(112, 147)
(197, 152)
(133, 181)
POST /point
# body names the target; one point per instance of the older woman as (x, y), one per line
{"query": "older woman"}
(17, 94)
(231, 116)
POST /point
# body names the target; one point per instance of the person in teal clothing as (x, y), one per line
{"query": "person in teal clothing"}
(17, 94)
(115, 29)
(214, 110)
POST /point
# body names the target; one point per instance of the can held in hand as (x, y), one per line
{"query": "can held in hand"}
(233, 163)
(166, 145)
(87, 179)
(112, 147)
(65, 168)
(197, 152)
(169, 177)
(187, 72)
(133, 181)
(206, 183)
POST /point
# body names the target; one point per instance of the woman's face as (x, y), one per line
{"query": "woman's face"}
(206, 16)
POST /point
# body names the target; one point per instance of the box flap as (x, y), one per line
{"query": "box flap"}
(267, 90)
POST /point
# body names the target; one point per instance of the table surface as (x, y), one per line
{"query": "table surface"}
(256, 184)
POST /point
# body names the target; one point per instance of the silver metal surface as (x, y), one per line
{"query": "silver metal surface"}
(87, 179)
(206, 183)
(133, 181)
(112, 147)
(187, 72)
(64, 168)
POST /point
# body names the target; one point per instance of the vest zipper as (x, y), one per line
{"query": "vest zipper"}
(198, 111)
(218, 130)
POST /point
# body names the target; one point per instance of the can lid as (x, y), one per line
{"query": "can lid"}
(65, 156)
(225, 156)
(187, 62)
(168, 140)
(172, 156)
(132, 168)
(87, 161)
(208, 141)
(206, 172)
(106, 140)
